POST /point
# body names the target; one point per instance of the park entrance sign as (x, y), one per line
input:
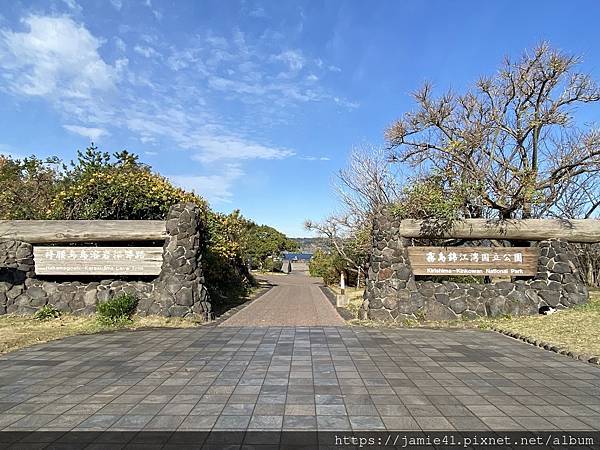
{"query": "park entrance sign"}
(476, 261)
(97, 260)
(508, 280)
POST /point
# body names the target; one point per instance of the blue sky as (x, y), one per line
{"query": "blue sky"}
(254, 105)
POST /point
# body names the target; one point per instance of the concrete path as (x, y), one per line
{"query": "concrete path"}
(294, 300)
(318, 378)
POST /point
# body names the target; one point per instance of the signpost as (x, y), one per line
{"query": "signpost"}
(97, 260)
(476, 261)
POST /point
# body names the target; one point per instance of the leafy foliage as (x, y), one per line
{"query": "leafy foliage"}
(27, 187)
(263, 241)
(102, 186)
(99, 187)
(47, 312)
(329, 266)
(116, 311)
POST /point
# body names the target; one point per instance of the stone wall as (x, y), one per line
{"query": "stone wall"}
(393, 294)
(179, 290)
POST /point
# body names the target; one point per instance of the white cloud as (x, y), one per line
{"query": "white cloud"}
(216, 187)
(120, 44)
(315, 158)
(293, 58)
(90, 132)
(146, 51)
(156, 13)
(117, 4)
(216, 146)
(258, 12)
(73, 5)
(56, 57)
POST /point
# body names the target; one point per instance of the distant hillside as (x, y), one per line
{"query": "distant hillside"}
(310, 245)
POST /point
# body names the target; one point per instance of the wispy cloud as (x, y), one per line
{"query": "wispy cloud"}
(215, 187)
(117, 4)
(155, 12)
(315, 158)
(92, 133)
(167, 105)
(146, 51)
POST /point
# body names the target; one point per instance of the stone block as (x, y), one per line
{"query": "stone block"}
(561, 267)
(433, 310)
(552, 298)
(458, 305)
(178, 311)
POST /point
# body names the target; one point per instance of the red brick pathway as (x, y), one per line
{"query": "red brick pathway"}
(295, 300)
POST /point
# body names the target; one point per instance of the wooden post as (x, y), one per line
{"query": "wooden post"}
(341, 299)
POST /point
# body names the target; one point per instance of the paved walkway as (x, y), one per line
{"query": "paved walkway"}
(320, 378)
(294, 300)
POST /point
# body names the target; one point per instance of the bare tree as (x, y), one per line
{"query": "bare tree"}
(512, 138)
(367, 183)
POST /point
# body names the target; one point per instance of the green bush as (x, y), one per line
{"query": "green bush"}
(47, 312)
(116, 311)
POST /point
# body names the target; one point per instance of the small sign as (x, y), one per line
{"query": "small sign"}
(476, 261)
(97, 260)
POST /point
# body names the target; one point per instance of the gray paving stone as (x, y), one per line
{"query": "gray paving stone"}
(131, 422)
(400, 423)
(164, 423)
(333, 423)
(232, 423)
(300, 378)
(266, 422)
(198, 423)
(366, 423)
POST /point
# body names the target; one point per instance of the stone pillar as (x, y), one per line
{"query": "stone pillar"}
(16, 267)
(179, 290)
(390, 278)
(558, 281)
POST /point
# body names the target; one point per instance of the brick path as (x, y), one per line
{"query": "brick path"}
(294, 300)
(295, 378)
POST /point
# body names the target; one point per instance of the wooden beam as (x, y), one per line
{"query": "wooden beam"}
(580, 230)
(61, 231)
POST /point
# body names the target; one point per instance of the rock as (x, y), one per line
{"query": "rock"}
(433, 310)
(496, 307)
(36, 292)
(560, 267)
(458, 305)
(552, 298)
(89, 298)
(380, 314)
(185, 297)
(178, 311)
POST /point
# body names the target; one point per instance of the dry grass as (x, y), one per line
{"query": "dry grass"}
(18, 332)
(355, 298)
(575, 329)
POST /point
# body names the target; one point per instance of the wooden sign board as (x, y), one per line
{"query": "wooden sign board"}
(476, 261)
(97, 260)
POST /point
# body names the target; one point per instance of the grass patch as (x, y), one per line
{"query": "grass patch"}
(575, 329)
(18, 332)
(355, 298)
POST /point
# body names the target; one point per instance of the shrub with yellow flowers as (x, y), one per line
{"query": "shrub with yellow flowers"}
(101, 186)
